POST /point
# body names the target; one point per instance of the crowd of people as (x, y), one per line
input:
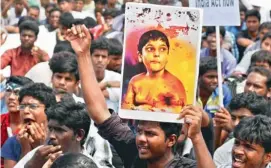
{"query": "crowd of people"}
(61, 65)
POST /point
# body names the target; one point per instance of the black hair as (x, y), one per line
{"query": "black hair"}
(71, 160)
(63, 62)
(40, 92)
(115, 47)
(19, 80)
(242, 8)
(151, 35)
(111, 12)
(261, 56)
(255, 129)
(59, 1)
(207, 64)
(50, 5)
(34, 7)
(26, 18)
(63, 46)
(265, 25)
(66, 19)
(29, 25)
(101, 1)
(100, 43)
(262, 71)
(267, 35)
(53, 10)
(211, 30)
(253, 12)
(90, 22)
(254, 103)
(71, 114)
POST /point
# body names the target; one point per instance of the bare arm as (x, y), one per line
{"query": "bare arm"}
(92, 94)
(9, 163)
(244, 42)
(6, 8)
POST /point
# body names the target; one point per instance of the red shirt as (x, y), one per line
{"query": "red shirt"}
(19, 61)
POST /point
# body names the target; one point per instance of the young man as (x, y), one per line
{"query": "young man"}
(11, 121)
(207, 87)
(34, 12)
(11, 15)
(263, 29)
(249, 36)
(115, 55)
(33, 99)
(68, 127)
(53, 19)
(24, 57)
(154, 141)
(251, 146)
(100, 59)
(227, 59)
(259, 81)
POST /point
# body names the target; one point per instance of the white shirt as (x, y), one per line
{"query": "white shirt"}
(114, 93)
(11, 18)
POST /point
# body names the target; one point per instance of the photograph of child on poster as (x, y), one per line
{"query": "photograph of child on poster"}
(160, 62)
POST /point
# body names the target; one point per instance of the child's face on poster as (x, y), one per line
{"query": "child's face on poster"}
(154, 55)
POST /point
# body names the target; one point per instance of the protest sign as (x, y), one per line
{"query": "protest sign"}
(218, 12)
(160, 62)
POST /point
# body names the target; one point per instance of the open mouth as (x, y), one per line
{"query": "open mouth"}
(237, 162)
(28, 120)
(142, 149)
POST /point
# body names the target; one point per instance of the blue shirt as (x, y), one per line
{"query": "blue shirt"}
(235, 29)
(228, 60)
(212, 104)
(11, 150)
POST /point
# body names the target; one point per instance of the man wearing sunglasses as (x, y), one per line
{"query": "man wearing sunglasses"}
(33, 99)
(11, 122)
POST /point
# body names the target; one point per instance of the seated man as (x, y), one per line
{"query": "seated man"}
(24, 57)
(251, 146)
(227, 59)
(11, 121)
(208, 97)
(154, 143)
(33, 99)
(68, 127)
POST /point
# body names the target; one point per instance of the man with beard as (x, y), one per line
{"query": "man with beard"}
(24, 57)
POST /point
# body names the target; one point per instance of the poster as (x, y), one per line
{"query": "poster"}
(218, 12)
(160, 61)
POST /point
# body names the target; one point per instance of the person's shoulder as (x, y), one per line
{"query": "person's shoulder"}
(4, 118)
(111, 75)
(183, 162)
(137, 78)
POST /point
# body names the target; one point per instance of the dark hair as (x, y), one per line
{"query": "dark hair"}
(40, 92)
(50, 5)
(71, 114)
(253, 12)
(115, 47)
(54, 10)
(267, 35)
(207, 64)
(63, 46)
(63, 62)
(25, 18)
(66, 19)
(71, 160)
(151, 35)
(265, 25)
(34, 7)
(90, 22)
(254, 103)
(261, 56)
(101, 1)
(19, 80)
(242, 8)
(111, 12)
(262, 71)
(211, 30)
(100, 44)
(255, 129)
(29, 25)
(59, 1)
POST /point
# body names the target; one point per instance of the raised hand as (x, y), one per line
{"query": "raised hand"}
(192, 116)
(37, 134)
(223, 119)
(23, 138)
(80, 39)
(39, 54)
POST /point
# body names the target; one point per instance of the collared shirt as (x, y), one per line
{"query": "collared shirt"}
(227, 59)
(212, 104)
(5, 125)
(235, 29)
(19, 61)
